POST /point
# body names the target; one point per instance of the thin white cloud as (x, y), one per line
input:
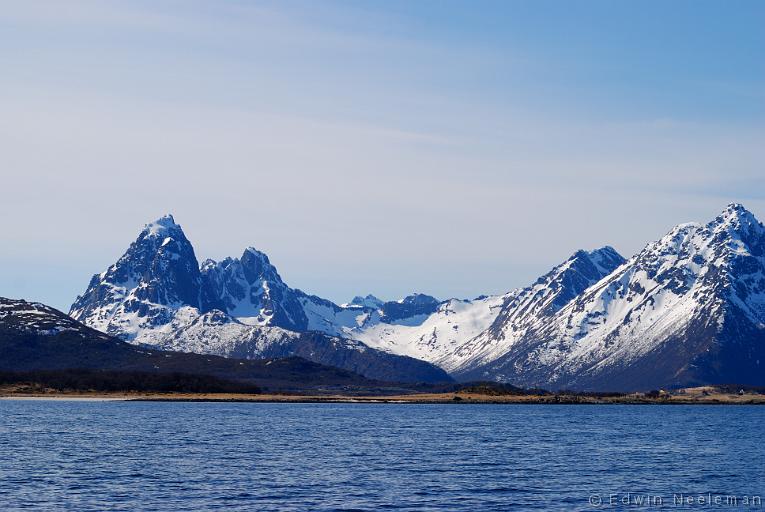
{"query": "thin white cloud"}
(359, 162)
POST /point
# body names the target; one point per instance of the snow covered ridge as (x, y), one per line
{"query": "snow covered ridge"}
(689, 308)
(595, 321)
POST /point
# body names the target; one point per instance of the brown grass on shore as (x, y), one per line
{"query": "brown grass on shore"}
(700, 395)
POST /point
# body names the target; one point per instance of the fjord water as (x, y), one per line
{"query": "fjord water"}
(244, 456)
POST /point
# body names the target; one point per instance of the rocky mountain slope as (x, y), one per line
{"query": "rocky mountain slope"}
(461, 332)
(157, 295)
(688, 309)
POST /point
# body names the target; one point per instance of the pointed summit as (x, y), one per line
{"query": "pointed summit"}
(157, 274)
(166, 220)
(558, 287)
(522, 309)
(606, 258)
(251, 289)
(257, 266)
(737, 208)
(370, 301)
(736, 216)
(161, 225)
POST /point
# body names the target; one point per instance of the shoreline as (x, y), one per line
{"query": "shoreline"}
(693, 396)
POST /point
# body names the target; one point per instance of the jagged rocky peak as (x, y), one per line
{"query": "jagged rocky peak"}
(157, 273)
(164, 237)
(411, 305)
(370, 301)
(741, 227)
(733, 225)
(701, 265)
(251, 289)
(738, 241)
(257, 266)
(737, 216)
(161, 226)
(253, 267)
(729, 239)
(567, 280)
(596, 262)
(551, 292)
(161, 247)
(172, 273)
(606, 259)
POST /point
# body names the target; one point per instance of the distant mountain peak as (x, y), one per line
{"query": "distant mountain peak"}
(257, 266)
(161, 225)
(590, 265)
(736, 209)
(155, 275)
(736, 217)
(605, 259)
(418, 298)
(370, 301)
(256, 253)
(412, 305)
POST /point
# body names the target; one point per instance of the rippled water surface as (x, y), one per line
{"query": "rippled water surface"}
(206, 456)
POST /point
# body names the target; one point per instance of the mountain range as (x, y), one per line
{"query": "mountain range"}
(687, 309)
(158, 295)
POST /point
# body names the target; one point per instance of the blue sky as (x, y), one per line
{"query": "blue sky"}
(453, 148)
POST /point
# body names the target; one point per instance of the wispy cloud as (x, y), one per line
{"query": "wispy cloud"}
(389, 143)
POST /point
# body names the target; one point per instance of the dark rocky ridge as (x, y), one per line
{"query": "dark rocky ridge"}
(412, 305)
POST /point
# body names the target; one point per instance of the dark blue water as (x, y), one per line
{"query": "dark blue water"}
(208, 456)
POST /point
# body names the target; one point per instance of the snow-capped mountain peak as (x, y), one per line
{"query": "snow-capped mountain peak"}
(158, 273)
(370, 301)
(737, 216)
(605, 259)
(523, 309)
(257, 266)
(680, 311)
(251, 289)
(565, 281)
(162, 226)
